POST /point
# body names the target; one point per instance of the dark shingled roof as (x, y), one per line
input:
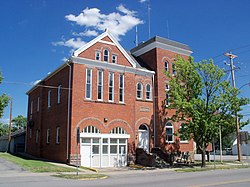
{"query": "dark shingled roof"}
(162, 40)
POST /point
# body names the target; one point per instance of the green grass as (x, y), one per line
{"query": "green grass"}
(81, 176)
(35, 165)
(220, 167)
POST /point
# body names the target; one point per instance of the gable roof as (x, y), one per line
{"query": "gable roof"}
(115, 42)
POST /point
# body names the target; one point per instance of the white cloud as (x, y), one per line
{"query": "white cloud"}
(143, 1)
(118, 23)
(86, 33)
(72, 43)
(5, 120)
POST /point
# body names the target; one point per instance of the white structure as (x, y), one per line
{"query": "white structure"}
(245, 149)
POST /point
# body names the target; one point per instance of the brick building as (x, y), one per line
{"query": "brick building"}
(117, 99)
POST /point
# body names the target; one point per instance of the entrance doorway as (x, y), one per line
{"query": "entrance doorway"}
(143, 137)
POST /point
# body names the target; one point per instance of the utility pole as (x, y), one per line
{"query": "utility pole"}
(231, 57)
(10, 124)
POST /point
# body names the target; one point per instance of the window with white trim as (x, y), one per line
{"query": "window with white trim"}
(48, 136)
(100, 85)
(167, 100)
(98, 55)
(49, 95)
(91, 129)
(117, 130)
(166, 65)
(183, 138)
(106, 55)
(139, 90)
(148, 92)
(57, 135)
(59, 94)
(88, 84)
(169, 132)
(114, 59)
(38, 104)
(167, 87)
(174, 69)
(111, 86)
(121, 88)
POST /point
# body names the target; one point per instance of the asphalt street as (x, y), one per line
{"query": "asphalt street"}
(14, 176)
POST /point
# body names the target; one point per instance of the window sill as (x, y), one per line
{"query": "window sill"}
(184, 142)
(150, 101)
(105, 102)
(169, 142)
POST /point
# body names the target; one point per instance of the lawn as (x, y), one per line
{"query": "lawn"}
(35, 165)
(81, 176)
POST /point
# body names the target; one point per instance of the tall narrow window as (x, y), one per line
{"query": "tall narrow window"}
(106, 55)
(100, 85)
(49, 95)
(48, 136)
(148, 92)
(174, 69)
(169, 132)
(38, 104)
(37, 132)
(30, 133)
(57, 135)
(114, 58)
(31, 109)
(111, 86)
(59, 94)
(183, 138)
(121, 88)
(88, 83)
(166, 65)
(98, 55)
(139, 91)
(167, 99)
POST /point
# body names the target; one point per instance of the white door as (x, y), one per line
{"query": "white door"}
(143, 138)
(86, 155)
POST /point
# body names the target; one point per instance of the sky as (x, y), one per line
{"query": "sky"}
(37, 36)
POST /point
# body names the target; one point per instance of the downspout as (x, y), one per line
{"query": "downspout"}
(68, 117)
(154, 107)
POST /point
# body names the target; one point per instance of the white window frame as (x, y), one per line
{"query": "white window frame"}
(59, 89)
(166, 65)
(167, 100)
(148, 92)
(38, 104)
(172, 128)
(49, 101)
(111, 75)
(88, 83)
(141, 91)
(174, 72)
(98, 54)
(121, 88)
(91, 130)
(48, 136)
(114, 58)
(104, 56)
(100, 84)
(57, 135)
(182, 141)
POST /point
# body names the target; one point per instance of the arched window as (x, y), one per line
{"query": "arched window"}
(166, 65)
(106, 55)
(148, 92)
(118, 130)
(91, 129)
(169, 132)
(139, 90)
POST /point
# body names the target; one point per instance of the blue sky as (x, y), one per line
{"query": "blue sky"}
(36, 36)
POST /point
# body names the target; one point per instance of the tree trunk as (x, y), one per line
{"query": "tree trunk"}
(203, 155)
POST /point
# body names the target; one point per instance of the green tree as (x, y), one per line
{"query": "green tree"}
(19, 122)
(4, 99)
(4, 129)
(203, 98)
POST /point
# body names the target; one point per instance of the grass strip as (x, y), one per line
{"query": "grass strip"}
(35, 165)
(81, 176)
(211, 168)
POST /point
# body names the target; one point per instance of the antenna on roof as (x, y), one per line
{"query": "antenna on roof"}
(167, 30)
(136, 36)
(148, 19)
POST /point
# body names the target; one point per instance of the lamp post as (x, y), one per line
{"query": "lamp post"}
(10, 124)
